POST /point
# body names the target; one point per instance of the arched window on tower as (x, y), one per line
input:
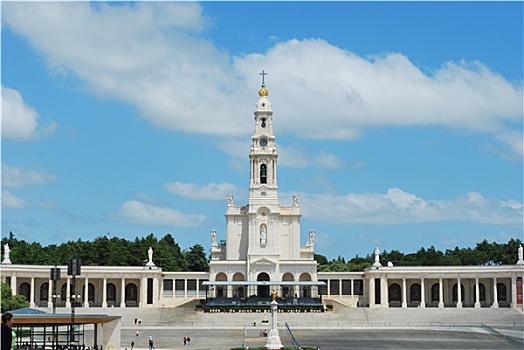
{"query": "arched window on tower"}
(263, 174)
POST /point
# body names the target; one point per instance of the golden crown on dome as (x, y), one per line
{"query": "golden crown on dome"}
(263, 91)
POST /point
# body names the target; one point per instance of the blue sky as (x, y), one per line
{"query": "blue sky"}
(399, 124)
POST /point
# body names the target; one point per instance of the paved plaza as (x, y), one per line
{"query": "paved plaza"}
(344, 328)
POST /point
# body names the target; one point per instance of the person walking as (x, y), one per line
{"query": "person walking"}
(185, 340)
(132, 344)
(188, 340)
(7, 331)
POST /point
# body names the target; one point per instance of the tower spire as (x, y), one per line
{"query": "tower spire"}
(263, 91)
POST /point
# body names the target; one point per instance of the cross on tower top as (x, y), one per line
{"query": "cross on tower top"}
(263, 74)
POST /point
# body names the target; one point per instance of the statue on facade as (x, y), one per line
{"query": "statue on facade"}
(295, 200)
(230, 199)
(263, 234)
(213, 238)
(377, 258)
(520, 254)
(150, 257)
(6, 254)
(311, 238)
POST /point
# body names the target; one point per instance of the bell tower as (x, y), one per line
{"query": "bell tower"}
(263, 187)
(262, 236)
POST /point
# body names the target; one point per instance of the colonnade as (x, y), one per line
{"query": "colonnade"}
(377, 287)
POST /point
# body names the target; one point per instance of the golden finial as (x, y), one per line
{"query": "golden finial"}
(263, 91)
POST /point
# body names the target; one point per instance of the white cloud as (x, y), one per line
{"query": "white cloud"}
(298, 158)
(16, 177)
(351, 92)
(511, 143)
(211, 191)
(148, 54)
(10, 201)
(236, 149)
(19, 120)
(397, 207)
(146, 214)
(155, 56)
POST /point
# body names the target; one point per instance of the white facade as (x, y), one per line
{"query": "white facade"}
(263, 237)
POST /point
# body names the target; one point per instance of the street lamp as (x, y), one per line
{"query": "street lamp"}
(73, 269)
(76, 299)
(55, 276)
(55, 298)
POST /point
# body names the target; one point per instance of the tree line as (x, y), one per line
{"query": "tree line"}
(105, 251)
(484, 253)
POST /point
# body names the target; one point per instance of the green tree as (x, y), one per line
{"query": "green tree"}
(321, 259)
(168, 254)
(473, 257)
(509, 252)
(395, 256)
(11, 302)
(196, 258)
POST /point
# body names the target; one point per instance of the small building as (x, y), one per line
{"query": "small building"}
(37, 329)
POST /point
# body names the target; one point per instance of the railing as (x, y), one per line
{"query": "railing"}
(244, 337)
(295, 343)
(512, 341)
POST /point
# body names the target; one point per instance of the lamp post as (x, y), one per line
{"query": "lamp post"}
(55, 276)
(73, 269)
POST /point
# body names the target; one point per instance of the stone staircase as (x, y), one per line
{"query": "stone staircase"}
(341, 316)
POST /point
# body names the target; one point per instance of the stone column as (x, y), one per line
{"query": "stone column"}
(155, 291)
(50, 294)
(477, 293)
(459, 293)
(104, 293)
(352, 287)
(86, 293)
(384, 292)
(143, 292)
(371, 293)
(329, 287)
(273, 338)
(68, 292)
(513, 291)
(404, 301)
(32, 293)
(14, 285)
(340, 287)
(422, 293)
(495, 294)
(123, 293)
(440, 294)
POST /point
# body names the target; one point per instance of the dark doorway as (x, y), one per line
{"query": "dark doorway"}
(263, 291)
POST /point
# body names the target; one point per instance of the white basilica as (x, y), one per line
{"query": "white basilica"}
(262, 253)
(262, 249)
